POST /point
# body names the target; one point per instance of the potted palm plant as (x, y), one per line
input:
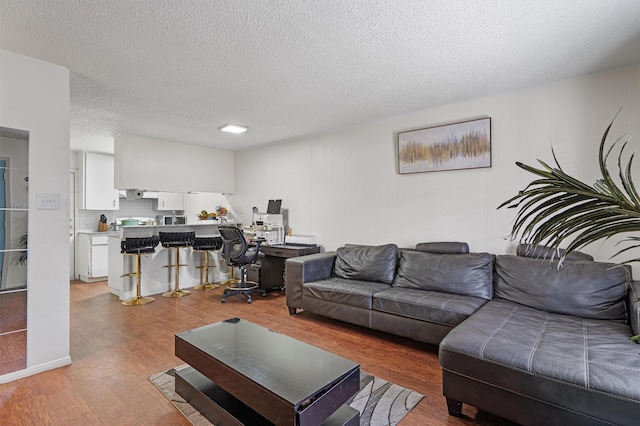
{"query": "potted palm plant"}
(556, 206)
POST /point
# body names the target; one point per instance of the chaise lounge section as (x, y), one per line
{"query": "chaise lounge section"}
(551, 348)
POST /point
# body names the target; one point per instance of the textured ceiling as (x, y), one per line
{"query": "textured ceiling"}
(179, 70)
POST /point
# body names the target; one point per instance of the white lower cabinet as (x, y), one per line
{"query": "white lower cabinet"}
(93, 257)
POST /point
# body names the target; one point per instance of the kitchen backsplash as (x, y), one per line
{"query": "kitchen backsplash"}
(87, 220)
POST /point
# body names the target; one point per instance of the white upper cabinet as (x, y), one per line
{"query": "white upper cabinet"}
(98, 191)
(169, 201)
(160, 165)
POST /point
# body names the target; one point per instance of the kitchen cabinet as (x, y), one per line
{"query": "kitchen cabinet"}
(98, 191)
(122, 193)
(162, 165)
(169, 201)
(150, 194)
(93, 256)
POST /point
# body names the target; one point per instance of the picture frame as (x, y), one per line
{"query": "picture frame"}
(454, 146)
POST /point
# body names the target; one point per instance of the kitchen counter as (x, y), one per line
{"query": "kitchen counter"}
(155, 277)
(199, 223)
(107, 233)
(206, 227)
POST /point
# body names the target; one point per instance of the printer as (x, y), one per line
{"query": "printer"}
(268, 220)
(268, 226)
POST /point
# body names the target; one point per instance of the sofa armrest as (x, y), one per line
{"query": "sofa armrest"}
(634, 307)
(304, 269)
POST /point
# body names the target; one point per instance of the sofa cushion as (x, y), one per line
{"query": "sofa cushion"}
(440, 308)
(544, 252)
(443, 247)
(344, 291)
(593, 354)
(634, 307)
(581, 288)
(367, 263)
(466, 274)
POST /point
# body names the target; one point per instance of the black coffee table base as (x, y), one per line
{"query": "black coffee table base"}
(284, 380)
(222, 408)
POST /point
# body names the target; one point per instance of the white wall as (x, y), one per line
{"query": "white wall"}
(343, 187)
(34, 96)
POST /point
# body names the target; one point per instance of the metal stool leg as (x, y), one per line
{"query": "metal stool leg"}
(176, 292)
(138, 299)
(204, 282)
(231, 279)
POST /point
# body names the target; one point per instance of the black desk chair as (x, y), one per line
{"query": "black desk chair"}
(175, 240)
(237, 252)
(136, 247)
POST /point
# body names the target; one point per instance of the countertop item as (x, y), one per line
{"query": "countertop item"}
(134, 221)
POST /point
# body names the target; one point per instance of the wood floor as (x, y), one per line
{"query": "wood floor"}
(116, 348)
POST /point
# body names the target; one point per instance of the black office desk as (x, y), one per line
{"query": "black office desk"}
(269, 273)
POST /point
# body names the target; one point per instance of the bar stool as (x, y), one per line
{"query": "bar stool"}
(232, 279)
(175, 240)
(205, 245)
(136, 247)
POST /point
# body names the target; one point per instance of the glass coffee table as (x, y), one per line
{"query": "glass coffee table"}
(242, 373)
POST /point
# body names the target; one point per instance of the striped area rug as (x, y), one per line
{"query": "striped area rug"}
(381, 403)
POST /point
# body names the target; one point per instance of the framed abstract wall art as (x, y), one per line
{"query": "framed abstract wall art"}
(463, 145)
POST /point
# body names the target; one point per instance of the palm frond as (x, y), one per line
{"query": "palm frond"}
(556, 206)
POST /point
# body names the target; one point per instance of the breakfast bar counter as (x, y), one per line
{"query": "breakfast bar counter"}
(155, 277)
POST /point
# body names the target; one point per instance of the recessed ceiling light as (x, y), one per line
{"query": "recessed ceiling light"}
(233, 128)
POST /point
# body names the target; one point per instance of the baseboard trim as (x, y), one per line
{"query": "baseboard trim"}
(30, 371)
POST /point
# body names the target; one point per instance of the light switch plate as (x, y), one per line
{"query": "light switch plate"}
(47, 201)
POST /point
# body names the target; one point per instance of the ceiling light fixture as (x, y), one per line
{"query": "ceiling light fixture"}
(233, 128)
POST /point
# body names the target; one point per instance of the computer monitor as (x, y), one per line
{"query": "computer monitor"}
(274, 206)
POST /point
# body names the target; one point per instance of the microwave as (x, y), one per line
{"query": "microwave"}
(168, 220)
